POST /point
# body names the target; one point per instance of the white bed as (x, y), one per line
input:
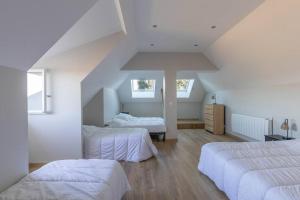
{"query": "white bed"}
(129, 144)
(257, 170)
(72, 180)
(152, 124)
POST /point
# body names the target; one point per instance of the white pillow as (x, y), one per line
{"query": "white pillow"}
(115, 123)
(124, 116)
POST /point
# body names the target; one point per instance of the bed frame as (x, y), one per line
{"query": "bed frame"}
(157, 134)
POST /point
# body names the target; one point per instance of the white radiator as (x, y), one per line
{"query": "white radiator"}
(252, 127)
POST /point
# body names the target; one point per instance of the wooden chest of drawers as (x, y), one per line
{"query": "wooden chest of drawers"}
(214, 118)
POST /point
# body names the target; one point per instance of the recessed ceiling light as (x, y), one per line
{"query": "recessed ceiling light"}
(195, 45)
(154, 26)
(152, 45)
(213, 27)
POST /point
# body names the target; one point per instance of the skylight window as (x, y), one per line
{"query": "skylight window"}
(143, 88)
(36, 91)
(184, 87)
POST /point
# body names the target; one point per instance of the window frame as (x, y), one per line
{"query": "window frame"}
(43, 110)
(143, 94)
(185, 94)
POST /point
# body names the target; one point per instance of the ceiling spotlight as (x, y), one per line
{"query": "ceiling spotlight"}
(152, 45)
(154, 26)
(213, 27)
(195, 45)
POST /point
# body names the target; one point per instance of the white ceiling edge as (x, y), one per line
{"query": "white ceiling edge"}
(120, 15)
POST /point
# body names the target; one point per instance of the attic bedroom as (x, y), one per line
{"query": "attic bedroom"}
(149, 99)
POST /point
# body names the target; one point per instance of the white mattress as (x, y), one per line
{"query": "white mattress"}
(239, 169)
(152, 124)
(129, 144)
(72, 180)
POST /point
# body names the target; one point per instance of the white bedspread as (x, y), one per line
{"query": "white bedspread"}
(152, 124)
(240, 169)
(129, 144)
(72, 180)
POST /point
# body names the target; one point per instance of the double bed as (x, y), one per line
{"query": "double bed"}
(254, 170)
(72, 179)
(128, 144)
(154, 125)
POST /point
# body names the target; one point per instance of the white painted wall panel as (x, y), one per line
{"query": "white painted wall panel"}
(13, 123)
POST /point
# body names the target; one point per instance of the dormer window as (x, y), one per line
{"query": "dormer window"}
(143, 88)
(184, 87)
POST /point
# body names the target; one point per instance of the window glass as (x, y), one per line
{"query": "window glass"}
(36, 91)
(143, 88)
(184, 87)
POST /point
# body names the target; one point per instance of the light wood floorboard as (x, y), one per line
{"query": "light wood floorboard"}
(173, 173)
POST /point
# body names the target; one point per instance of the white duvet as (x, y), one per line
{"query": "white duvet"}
(72, 180)
(129, 144)
(257, 170)
(152, 124)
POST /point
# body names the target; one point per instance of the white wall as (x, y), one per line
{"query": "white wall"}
(13, 123)
(102, 108)
(124, 91)
(92, 113)
(279, 102)
(189, 110)
(57, 135)
(141, 109)
(170, 104)
(111, 104)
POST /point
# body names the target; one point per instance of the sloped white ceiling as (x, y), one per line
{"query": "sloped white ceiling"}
(169, 60)
(84, 57)
(262, 50)
(181, 24)
(108, 72)
(101, 20)
(30, 27)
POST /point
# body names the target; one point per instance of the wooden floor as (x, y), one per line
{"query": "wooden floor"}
(190, 124)
(173, 173)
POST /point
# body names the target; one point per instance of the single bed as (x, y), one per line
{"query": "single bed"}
(253, 170)
(155, 125)
(72, 180)
(128, 144)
